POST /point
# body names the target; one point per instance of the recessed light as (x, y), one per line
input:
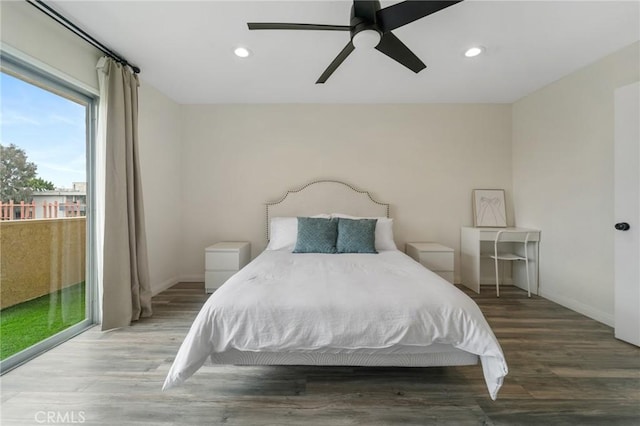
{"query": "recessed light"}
(474, 51)
(242, 52)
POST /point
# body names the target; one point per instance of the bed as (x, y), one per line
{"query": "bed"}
(292, 306)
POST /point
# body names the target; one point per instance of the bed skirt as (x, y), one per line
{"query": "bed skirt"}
(435, 359)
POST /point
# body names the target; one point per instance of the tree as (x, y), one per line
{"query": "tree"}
(39, 184)
(15, 174)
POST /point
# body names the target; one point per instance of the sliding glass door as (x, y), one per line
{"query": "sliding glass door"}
(46, 181)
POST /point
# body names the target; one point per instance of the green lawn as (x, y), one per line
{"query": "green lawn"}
(28, 323)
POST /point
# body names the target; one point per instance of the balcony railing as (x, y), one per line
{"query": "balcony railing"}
(24, 211)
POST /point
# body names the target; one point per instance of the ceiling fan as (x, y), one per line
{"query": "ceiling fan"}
(371, 27)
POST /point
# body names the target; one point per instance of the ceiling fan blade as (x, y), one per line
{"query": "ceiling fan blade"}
(285, 26)
(400, 14)
(365, 9)
(336, 63)
(391, 46)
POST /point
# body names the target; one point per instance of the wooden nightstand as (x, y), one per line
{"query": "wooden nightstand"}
(433, 256)
(222, 260)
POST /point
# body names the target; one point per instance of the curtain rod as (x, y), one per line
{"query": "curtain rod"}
(59, 18)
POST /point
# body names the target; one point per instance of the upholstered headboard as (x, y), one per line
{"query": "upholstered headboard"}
(325, 196)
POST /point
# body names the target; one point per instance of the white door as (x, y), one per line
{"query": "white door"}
(627, 213)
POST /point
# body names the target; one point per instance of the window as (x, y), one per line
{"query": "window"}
(46, 226)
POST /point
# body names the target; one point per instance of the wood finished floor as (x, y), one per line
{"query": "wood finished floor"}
(565, 369)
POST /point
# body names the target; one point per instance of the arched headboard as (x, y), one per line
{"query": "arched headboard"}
(325, 196)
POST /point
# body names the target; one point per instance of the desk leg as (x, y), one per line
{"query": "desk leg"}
(470, 260)
(538, 268)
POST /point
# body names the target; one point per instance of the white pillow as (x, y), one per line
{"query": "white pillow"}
(283, 232)
(384, 231)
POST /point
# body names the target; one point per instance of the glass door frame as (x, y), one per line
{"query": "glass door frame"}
(56, 83)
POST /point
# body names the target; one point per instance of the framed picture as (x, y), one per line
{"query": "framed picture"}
(489, 208)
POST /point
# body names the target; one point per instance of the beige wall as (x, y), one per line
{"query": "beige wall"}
(27, 32)
(423, 159)
(563, 138)
(159, 133)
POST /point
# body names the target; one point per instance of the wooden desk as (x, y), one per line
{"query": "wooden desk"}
(476, 243)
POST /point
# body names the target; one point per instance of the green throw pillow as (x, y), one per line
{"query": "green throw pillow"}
(356, 236)
(316, 235)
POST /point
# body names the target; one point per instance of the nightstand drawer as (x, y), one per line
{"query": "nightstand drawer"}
(433, 256)
(222, 261)
(437, 261)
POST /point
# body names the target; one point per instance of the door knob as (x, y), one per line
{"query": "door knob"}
(622, 226)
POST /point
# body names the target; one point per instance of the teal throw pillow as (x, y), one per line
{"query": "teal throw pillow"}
(316, 235)
(356, 236)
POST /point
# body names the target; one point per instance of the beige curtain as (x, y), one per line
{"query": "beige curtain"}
(125, 293)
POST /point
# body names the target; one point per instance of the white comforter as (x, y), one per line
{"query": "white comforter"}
(327, 302)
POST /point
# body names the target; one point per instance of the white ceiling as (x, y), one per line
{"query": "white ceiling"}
(185, 49)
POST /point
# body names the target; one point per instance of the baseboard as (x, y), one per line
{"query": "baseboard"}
(581, 308)
(191, 278)
(492, 281)
(159, 288)
(457, 279)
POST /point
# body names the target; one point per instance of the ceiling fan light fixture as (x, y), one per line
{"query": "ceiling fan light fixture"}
(242, 52)
(370, 26)
(366, 39)
(474, 51)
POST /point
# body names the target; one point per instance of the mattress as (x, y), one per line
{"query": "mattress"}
(339, 309)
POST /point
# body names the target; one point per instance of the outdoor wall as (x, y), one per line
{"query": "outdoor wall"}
(39, 257)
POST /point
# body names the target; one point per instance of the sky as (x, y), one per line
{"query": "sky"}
(49, 128)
